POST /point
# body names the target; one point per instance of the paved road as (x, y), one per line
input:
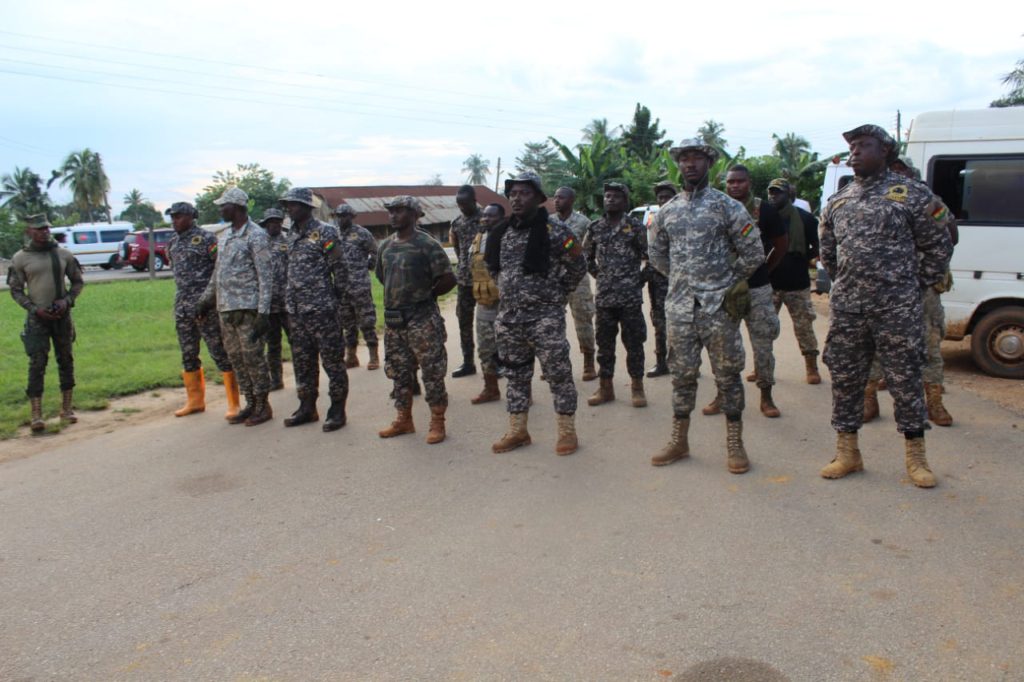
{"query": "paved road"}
(191, 550)
(95, 274)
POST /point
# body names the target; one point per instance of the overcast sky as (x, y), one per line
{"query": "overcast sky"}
(329, 93)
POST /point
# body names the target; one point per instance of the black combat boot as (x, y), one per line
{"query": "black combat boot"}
(335, 415)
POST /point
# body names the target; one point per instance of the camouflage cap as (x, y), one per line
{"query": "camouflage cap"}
(344, 209)
(404, 201)
(181, 207)
(298, 195)
(665, 184)
(37, 221)
(616, 187)
(905, 161)
(877, 132)
(233, 195)
(527, 178)
(781, 184)
(695, 144)
(272, 214)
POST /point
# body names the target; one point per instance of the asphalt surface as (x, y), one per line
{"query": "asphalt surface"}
(187, 549)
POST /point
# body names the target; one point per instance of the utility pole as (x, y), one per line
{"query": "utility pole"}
(497, 175)
(899, 128)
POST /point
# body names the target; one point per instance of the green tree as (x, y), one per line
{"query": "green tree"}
(83, 172)
(793, 152)
(541, 158)
(1014, 79)
(139, 210)
(592, 165)
(598, 128)
(22, 192)
(712, 133)
(434, 180)
(642, 138)
(263, 189)
(478, 168)
(12, 233)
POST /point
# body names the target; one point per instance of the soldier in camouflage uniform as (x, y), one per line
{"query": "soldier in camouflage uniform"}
(657, 290)
(361, 316)
(414, 270)
(708, 245)
(882, 238)
(240, 289)
(463, 231)
(273, 220)
(537, 263)
(485, 290)
(616, 247)
(36, 277)
(318, 282)
(581, 301)
(193, 253)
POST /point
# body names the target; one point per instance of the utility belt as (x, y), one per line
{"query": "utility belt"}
(400, 317)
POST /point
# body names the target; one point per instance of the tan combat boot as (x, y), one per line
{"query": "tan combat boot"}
(37, 424)
(261, 411)
(516, 435)
(870, 401)
(714, 407)
(847, 459)
(768, 407)
(811, 364)
(402, 424)
(374, 361)
(567, 442)
(195, 393)
(638, 395)
(589, 371)
(917, 465)
(231, 392)
(351, 359)
(490, 392)
(752, 377)
(678, 445)
(67, 408)
(936, 410)
(737, 460)
(435, 434)
(605, 392)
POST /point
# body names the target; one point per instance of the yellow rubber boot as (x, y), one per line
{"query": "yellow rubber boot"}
(231, 392)
(195, 393)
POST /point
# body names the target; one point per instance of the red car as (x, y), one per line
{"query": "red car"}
(136, 249)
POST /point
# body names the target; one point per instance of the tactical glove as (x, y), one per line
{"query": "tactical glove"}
(737, 300)
(945, 284)
(260, 327)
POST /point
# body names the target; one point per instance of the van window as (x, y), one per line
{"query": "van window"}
(981, 190)
(844, 181)
(112, 235)
(85, 237)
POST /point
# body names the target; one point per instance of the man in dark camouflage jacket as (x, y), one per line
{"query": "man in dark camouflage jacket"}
(361, 314)
(272, 222)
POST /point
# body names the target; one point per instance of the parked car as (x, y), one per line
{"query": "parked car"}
(94, 243)
(136, 249)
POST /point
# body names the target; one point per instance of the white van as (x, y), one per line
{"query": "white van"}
(974, 160)
(94, 243)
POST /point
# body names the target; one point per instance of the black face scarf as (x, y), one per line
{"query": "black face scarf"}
(537, 259)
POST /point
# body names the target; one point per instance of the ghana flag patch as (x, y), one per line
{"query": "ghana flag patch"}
(569, 243)
(329, 245)
(747, 229)
(940, 213)
(213, 249)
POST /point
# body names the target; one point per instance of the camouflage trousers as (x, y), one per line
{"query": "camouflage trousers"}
(419, 344)
(801, 311)
(486, 341)
(657, 289)
(519, 343)
(721, 336)
(190, 330)
(763, 329)
(634, 334)
(278, 323)
(897, 337)
(316, 338)
(464, 305)
(934, 332)
(37, 336)
(360, 316)
(581, 305)
(247, 357)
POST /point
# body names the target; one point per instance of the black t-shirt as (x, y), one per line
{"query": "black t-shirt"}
(792, 273)
(770, 223)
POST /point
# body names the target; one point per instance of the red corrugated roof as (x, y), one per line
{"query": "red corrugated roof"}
(438, 200)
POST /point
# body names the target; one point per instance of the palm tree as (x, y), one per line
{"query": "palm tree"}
(711, 132)
(792, 151)
(598, 128)
(1015, 79)
(84, 172)
(23, 193)
(134, 201)
(591, 167)
(478, 168)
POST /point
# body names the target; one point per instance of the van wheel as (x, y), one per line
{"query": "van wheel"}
(105, 266)
(997, 343)
(158, 263)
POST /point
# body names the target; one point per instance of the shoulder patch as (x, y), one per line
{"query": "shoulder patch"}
(212, 249)
(569, 243)
(314, 236)
(939, 213)
(897, 193)
(197, 240)
(747, 229)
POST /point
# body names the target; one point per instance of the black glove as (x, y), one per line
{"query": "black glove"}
(204, 307)
(260, 327)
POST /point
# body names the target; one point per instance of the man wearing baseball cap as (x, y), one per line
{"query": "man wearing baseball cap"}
(883, 237)
(193, 253)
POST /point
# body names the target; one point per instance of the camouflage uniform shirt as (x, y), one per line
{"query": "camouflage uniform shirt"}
(577, 222)
(614, 254)
(527, 297)
(882, 239)
(705, 242)
(407, 269)
(318, 277)
(279, 263)
(243, 276)
(361, 252)
(465, 230)
(193, 254)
